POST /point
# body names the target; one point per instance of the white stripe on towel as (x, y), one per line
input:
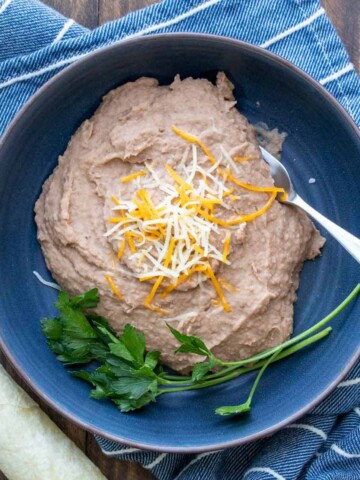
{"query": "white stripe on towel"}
(342, 452)
(175, 20)
(62, 32)
(67, 61)
(37, 73)
(293, 29)
(194, 460)
(157, 460)
(310, 428)
(270, 471)
(120, 452)
(5, 5)
(336, 75)
(349, 383)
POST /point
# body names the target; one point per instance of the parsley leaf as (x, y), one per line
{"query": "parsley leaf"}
(120, 369)
(86, 300)
(201, 369)
(71, 336)
(190, 343)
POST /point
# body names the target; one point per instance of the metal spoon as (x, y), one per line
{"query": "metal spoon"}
(282, 179)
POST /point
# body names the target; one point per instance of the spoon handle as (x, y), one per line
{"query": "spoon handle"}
(345, 238)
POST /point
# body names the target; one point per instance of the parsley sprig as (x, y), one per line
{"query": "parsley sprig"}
(120, 369)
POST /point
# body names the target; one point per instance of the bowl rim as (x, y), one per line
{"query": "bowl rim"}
(245, 46)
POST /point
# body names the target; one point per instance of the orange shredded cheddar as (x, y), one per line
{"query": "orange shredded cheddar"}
(209, 202)
(156, 285)
(153, 236)
(243, 159)
(136, 235)
(144, 195)
(255, 188)
(135, 213)
(184, 198)
(145, 278)
(130, 242)
(153, 291)
(115, 200)
(228, 192)
(284, 197)
(251, 216)
(227, 175)
(178, 179)
(113, 287)
(169, 252)
(182, 278)
(209, 273)
(226, 246)
(142, 210)
(117, 219)
(130, 177)
(192, 139)
(121, 248)
(204, 214)
(198, 249)
(151, 222)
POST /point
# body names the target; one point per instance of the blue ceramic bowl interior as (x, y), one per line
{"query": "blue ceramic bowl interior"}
(322, 143)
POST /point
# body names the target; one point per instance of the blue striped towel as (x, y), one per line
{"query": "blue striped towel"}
(36, 42)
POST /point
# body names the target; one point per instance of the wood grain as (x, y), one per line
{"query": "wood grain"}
(85, 12)
(345, 15)
(114, 469)
(110, 9)
(111, 468)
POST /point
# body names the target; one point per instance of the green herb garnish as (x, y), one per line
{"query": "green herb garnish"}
(131, 377)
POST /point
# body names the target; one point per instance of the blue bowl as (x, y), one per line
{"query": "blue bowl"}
(322, 142)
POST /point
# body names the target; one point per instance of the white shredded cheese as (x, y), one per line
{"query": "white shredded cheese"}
(156, 224)
(183, 316)
(46, 282)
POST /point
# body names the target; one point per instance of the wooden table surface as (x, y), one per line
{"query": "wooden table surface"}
(345, 14)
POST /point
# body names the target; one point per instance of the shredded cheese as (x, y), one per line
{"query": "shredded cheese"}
(243, 159)
(115, 200)
(209, 272)
(130, 242)
(150, 297)
(175, 238)
(251, 216)
(121, 248)
(132, 176)
(113, 287)
(226, 246)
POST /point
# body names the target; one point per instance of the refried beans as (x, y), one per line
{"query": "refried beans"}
(144, 162)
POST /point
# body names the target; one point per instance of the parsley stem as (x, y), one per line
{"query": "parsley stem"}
(291, 350)
(285, 353)
(302, 335)
(179, 380)
(225, 375)
(232, 366)
(246, 407)
(177, 377)
(260, 374)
